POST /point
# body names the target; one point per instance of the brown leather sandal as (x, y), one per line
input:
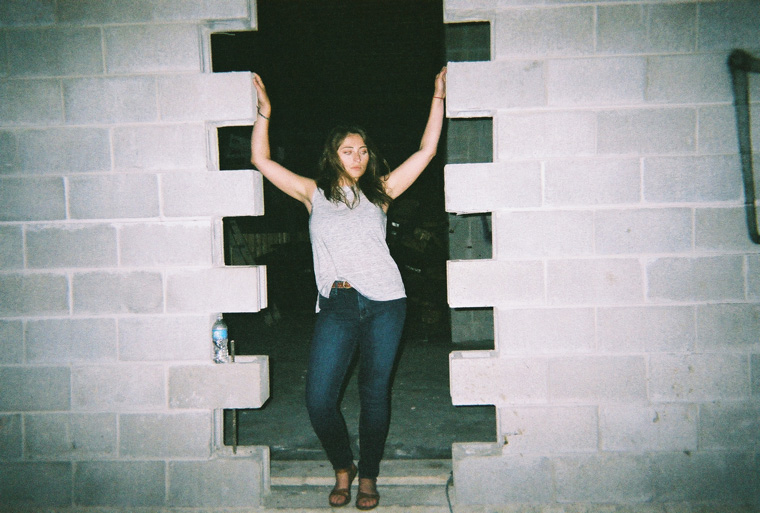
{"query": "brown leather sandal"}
(345, 493)
(364, 496)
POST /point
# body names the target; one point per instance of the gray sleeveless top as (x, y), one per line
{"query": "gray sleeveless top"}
(348, 244)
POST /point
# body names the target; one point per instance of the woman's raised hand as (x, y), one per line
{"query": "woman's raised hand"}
(264, 106)
(440, 84)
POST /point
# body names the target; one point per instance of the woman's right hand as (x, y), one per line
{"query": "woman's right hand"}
(264, 106)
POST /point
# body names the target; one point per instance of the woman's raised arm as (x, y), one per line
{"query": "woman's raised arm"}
(401, 178)
(292, 184)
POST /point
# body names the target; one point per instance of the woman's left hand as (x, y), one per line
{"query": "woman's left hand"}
(440, 84)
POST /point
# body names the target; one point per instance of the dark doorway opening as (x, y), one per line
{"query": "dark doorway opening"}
(324, 63)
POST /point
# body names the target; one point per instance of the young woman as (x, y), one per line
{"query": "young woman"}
(362, 303)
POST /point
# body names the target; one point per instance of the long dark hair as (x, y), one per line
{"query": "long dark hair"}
(331, 170)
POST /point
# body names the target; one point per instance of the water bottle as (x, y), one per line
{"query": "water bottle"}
(219, 337)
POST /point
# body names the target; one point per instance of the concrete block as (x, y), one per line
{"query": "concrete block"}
(651, 329)
(646, 29)
(479, 377)
(70, 340)
(487, 187)
(753, 277)
(118, 292)
(216, 194)
(595, 281)
(543, 233)
(120, 483)
(599, 81)
(88, 12)
(221, 289)
(161, 338)
(34, 294)
(8, 146)
(152, 48)
(663, 131)
(483, 475)
(717, 133)
(63, 150)
(55, 51)
(113, 196)
(11, 342)
(166, 244)
(160, 147)
(122, 388)
(473, 283)
(161, 435)
(727, 327)
(687, 179)
(545, 134)
(755, 375)
(470, 237)
(545, 331)
(35, 388)
(492, 85)
(11, 247)
(661, 230)
(688, 79)
(65, 436)
(726, 426)
(11, 440)
(32, 199)
(15, 13)
(549, 430)
(207, 97)
(110, 100)
(595, 379)
(696, 279)
(714, 477)
(235, 482)
(698, 377)
(472, 324)
(592, 182)
(655, 428)
(244, 384)
(33, 484)
(561, 31)
(725, 26)
(469, 140)
(603, 478)
(722, 229)
(59, 246)
(30, 102)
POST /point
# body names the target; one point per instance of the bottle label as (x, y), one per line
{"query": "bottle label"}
(219, 334)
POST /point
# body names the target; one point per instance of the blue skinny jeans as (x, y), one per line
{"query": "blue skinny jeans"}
(347, 322)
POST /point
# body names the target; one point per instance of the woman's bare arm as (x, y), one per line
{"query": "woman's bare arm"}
(292, 184)
(401, 178)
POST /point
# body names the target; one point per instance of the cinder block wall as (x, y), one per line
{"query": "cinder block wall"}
(110, 256)
(623, 282)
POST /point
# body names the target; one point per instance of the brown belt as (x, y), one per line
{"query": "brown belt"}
(341, 285)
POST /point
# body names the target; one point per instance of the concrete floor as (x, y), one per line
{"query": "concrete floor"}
(424, 424)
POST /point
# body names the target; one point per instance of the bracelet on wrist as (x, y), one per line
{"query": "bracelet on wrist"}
(262, 115)
(439, 97)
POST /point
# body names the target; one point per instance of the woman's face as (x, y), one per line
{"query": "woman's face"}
(354, 155)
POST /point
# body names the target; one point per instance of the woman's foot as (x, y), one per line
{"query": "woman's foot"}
(367, 496)
(341, 493)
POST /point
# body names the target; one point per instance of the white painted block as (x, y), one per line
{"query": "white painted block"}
(243, 384)
(217, 194)
(546, 134)
(596, 81)
(207, 97)
(221, 289)
(488, 187)
(491, 283)
(594, 281)
(480, 377)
